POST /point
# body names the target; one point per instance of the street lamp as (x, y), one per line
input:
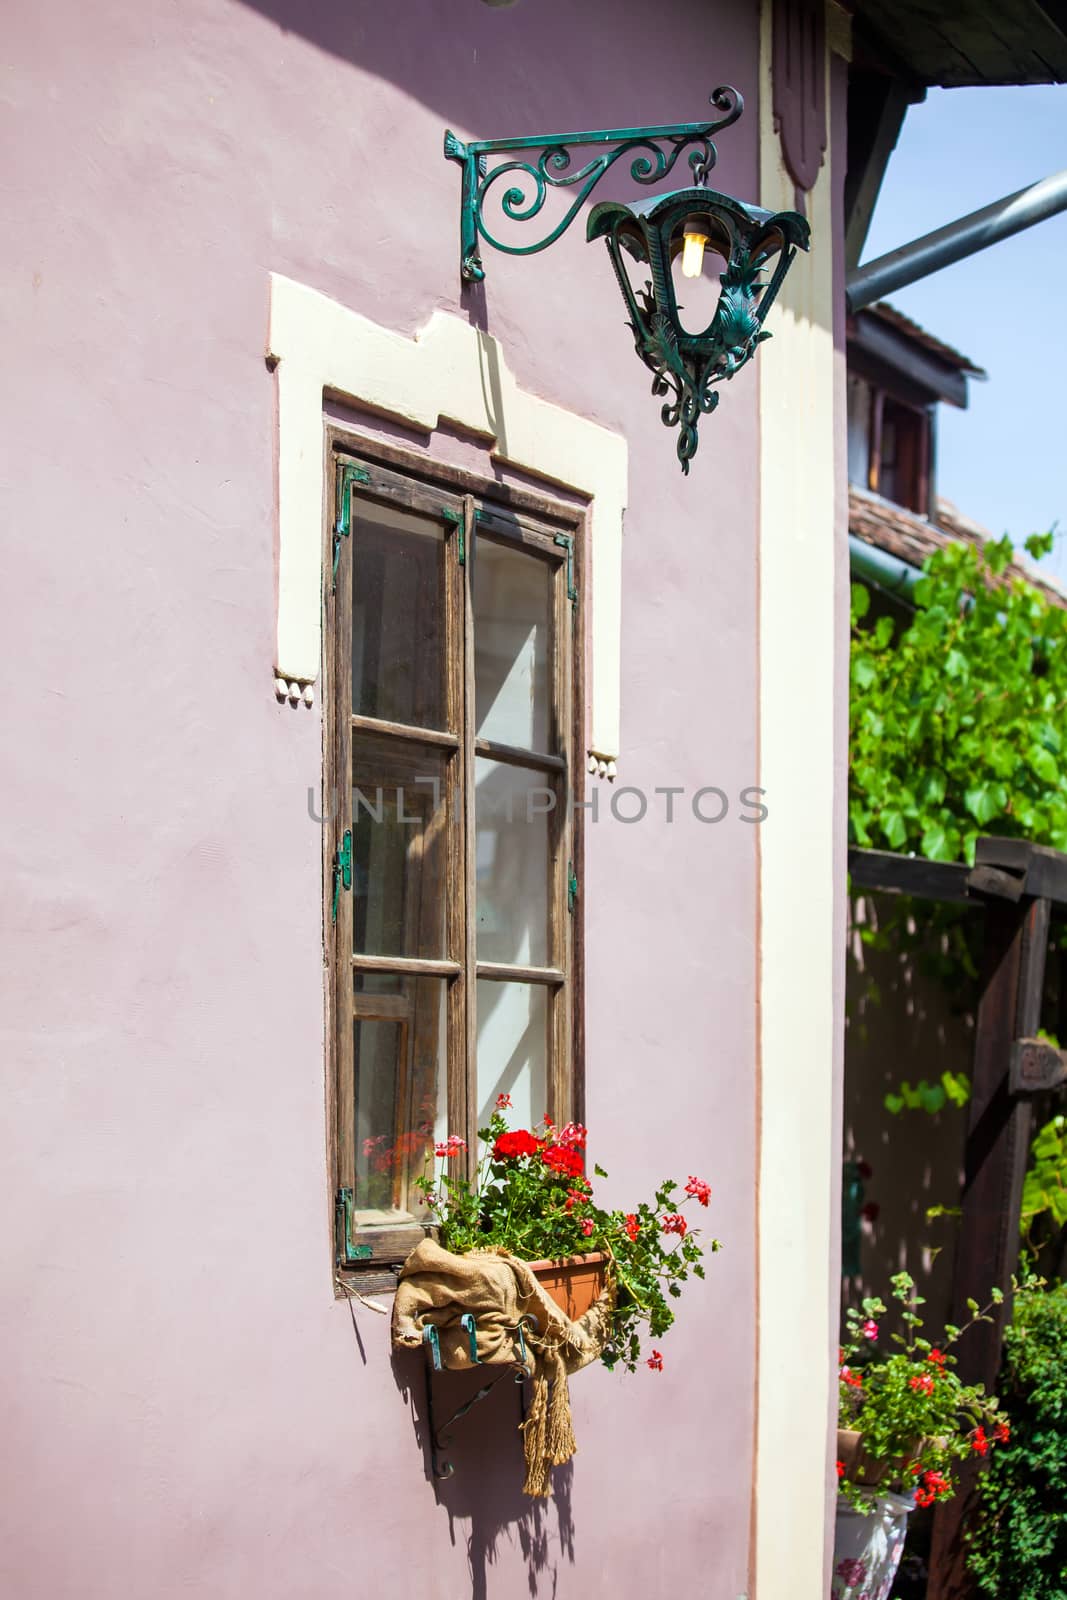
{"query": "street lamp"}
(755, 248)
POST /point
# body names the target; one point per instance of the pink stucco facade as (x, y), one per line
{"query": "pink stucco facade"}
(189, 1409)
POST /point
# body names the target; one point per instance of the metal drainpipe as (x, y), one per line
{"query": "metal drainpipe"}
(956, 240)
(886, 572)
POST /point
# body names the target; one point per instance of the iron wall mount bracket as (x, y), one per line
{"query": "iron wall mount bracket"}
(655, 151)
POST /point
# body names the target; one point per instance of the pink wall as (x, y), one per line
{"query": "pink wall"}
(189, 1409)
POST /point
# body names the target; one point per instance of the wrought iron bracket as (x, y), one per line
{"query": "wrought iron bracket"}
(347, 1254)
(519, 1372)
(655, 151)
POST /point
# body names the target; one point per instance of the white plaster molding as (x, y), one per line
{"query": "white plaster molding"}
(800, 741)
(451, 372)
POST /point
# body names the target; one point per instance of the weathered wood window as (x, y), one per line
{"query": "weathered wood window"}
(453, 721)
(890, 445)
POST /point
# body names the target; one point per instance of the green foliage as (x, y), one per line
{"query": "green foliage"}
(530, 1196)
(909, 1406)
(953, 1088)
(955, 722)
(1045, 1189)
(955, 730)
(1018, 1548)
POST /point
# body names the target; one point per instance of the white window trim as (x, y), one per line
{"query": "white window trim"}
(451, 372)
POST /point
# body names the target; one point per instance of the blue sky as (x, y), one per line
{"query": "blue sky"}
(1004, 460)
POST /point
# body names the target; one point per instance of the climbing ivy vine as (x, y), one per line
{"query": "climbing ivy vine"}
(957, 718)
(958, 728)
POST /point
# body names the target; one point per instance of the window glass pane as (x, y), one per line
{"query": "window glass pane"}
(513, 1050)
(512, 863)
(398, 617)
(512, 645)
(399, 1093)
(399, 842)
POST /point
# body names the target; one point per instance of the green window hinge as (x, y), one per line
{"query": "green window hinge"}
(457, 520)
(572, 886)
(566, 542)
(347, 1253)
(342, 869)
(343, 525)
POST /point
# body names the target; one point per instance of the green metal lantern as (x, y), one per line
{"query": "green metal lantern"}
(750, 243)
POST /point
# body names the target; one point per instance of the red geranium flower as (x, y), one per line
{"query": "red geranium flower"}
(512, 1145)
(587, 1226)
(633, 1227)
(503, 1101)
(699, 1190)
(655, 1361)
(840, 1469)
(922, 1382)
(568, 1162)
(935, 1486)
(936, 1358)
(979, 1441)
(675, 1224)
(573, 1136)
(1002, 1433)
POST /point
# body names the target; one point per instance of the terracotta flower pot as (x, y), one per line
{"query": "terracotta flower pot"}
(574, 1282)
(867, 1470)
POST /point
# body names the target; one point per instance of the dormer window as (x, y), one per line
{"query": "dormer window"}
(897, 375)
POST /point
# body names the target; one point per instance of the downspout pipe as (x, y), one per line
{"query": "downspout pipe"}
(955, 241)
(885, 572)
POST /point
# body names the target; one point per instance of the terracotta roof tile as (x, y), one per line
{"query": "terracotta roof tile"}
(912, 538)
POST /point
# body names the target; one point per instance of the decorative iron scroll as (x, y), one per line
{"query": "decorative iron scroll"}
(655, 152)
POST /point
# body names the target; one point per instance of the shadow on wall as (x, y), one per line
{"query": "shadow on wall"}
(902, 1025)
(485, 1490)
(491, 70)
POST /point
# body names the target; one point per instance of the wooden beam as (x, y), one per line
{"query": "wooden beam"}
(876, 108)
(933, 378)
(1036, 1067)
(896, 874)
(998, 1141)
(1041, 870)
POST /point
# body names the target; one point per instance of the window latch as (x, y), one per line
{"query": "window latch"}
(342, 869)
(347, 1252)
(572, 887)
(566, 542)
(343, 526)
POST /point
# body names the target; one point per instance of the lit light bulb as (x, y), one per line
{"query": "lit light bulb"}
(693, 255)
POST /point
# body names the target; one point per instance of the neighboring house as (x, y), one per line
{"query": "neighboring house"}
(898, 376)
(232, 251)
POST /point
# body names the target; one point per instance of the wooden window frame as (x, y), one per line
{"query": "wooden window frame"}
(468, 506)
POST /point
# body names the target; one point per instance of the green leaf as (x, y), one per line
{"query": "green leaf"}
(894, 827)
(861, 600)
(1044, 764)
(981, 802)
(864, 672)
(935, 843)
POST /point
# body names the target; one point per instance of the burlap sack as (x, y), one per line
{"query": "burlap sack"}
(497, 1289)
